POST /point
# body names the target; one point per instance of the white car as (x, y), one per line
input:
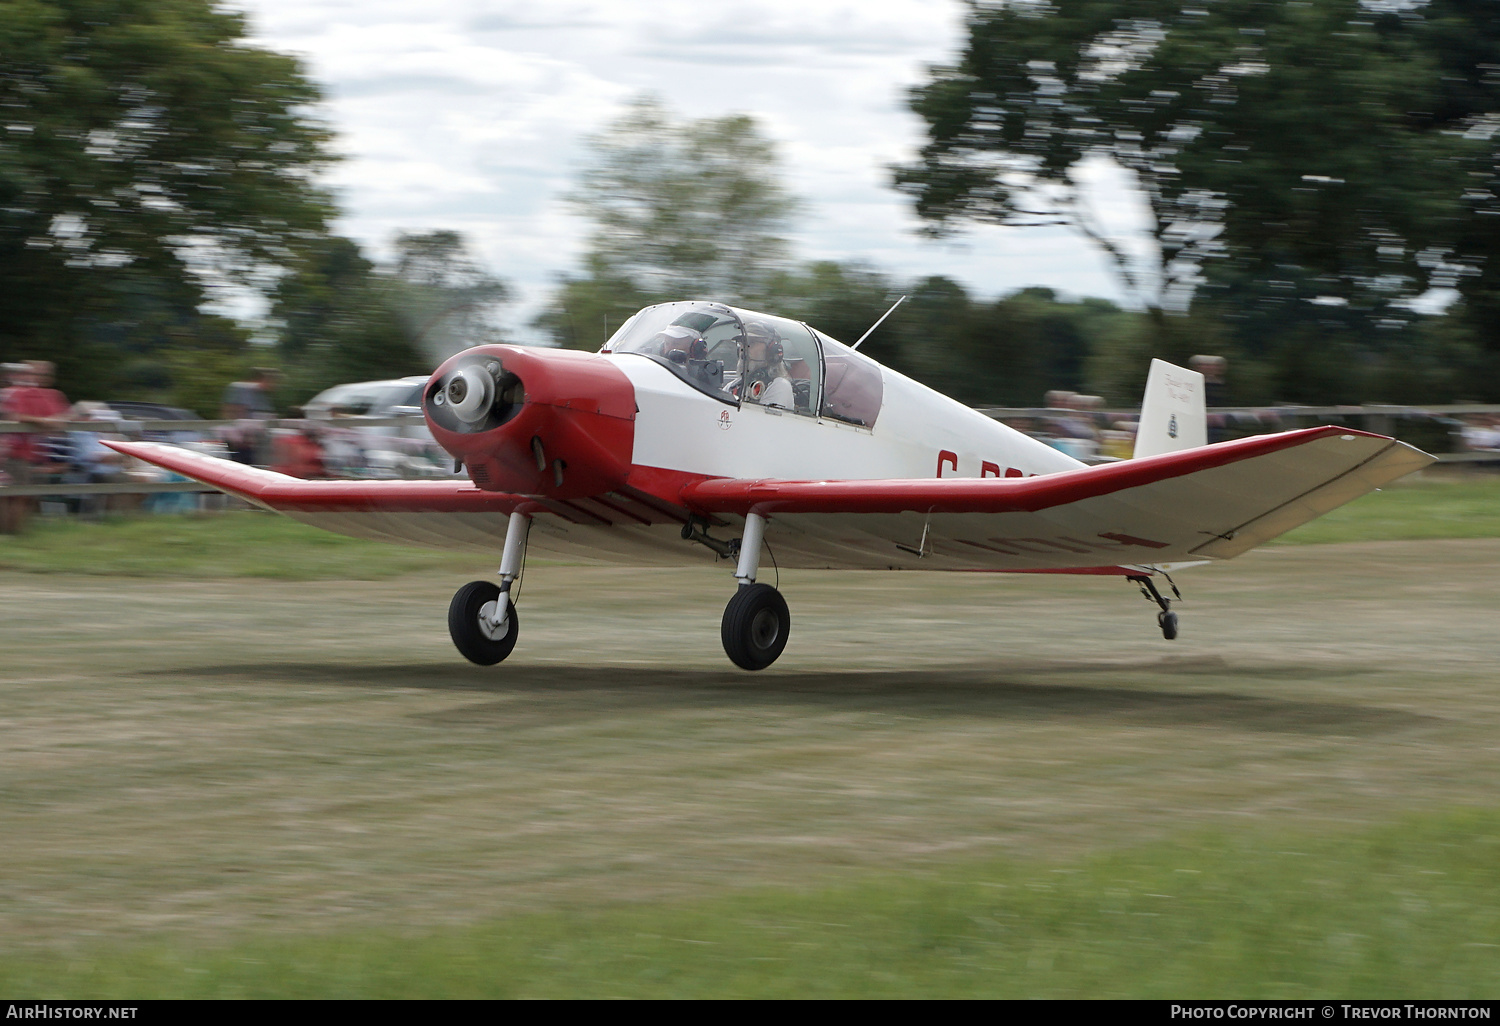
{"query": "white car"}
(388, 398)
(382, 451)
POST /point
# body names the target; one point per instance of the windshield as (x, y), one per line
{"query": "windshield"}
(699, 342)
(855, 388)
(742, 356)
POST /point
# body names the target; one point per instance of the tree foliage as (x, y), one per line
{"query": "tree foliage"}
(446, 298)
(1005, 352)
(1309, 167)
(341, 318)
(146, 152)
(1269, 135)
(679, 209)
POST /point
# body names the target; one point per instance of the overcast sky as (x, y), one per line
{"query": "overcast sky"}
(470, 115)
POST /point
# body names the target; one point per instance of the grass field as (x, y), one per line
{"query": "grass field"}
(1387, 913)
(257, 544)
(219, 782)
(244, 543)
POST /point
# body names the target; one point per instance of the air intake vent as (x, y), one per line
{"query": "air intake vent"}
(480, 473)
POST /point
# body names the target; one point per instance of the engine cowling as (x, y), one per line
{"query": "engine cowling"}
(548, 422)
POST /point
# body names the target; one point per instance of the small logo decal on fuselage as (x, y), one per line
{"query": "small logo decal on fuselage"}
(1172, 427)
(724, 421)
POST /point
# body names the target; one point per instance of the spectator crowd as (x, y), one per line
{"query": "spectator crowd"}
(66, 452)
(63, 451)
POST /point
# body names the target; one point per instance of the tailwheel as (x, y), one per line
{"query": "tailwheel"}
(756, 624)
(1168, 622)
(471, 623)
(1166, 619)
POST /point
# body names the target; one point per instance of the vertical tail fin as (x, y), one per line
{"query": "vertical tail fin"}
(1172, 413)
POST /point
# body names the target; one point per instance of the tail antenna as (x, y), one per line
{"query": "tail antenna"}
(877, 323)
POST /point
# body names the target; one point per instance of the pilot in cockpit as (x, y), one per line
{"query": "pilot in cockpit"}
(767, 380)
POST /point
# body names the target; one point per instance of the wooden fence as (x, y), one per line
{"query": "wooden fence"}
(1379, 419)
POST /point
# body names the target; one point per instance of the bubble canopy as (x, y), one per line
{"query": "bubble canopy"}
(739, 356)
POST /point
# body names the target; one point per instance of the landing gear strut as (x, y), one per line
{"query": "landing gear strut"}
(1166, 619)
(482, 619)
(756, 621)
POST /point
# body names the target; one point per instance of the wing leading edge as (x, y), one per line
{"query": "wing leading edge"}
(632, 528)
(420, 512)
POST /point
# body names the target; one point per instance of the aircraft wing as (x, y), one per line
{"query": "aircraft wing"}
(1212, 502)
(435, 513)
(629, 527)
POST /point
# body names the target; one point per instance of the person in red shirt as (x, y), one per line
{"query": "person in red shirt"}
(299, 454)
(35, 401)
(31, 400)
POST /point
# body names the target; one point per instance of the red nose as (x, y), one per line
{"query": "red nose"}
(551, 422)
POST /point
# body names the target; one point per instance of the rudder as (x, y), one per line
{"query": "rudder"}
(1172, 413)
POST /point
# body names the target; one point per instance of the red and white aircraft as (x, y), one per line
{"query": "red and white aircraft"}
(701, 432)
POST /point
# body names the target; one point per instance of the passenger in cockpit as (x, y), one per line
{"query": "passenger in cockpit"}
(676, 342)
(686, 348)
(767, 380)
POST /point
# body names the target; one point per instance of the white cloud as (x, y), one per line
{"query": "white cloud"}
(469, 115)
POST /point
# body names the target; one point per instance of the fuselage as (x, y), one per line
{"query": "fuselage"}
(919, 433)
(607, 442)
(569, 425)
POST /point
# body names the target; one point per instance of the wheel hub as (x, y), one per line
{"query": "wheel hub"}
(488, 625)
(764, 628)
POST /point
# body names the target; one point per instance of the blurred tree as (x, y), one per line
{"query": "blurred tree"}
(1464, 35)
(337, 322)
(343, 319)
(446, 299)
(1009, 352)
(842, 300)
(681, 210)
(147, 152)
(586, 310)
(1292, 156)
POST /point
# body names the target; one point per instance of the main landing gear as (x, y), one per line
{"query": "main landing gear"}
(1166, 619)
(756, 621)
(482, 618)
(483, 623)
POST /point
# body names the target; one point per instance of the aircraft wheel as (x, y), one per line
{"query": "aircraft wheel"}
(756, 624)
(473, 634)
(1168, 623)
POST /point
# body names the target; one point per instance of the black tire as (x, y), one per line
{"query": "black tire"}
(464, 627)
(1168, 623)
(756, 624)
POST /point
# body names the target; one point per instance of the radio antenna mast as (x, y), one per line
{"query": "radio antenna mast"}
(877, 323)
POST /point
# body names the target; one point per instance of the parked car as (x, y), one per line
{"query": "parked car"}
(368, 450)
(130, 409)
(389, 398)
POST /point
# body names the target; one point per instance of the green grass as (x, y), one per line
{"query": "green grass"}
(1410, 910)
(254, 544)
(1463, 506)
(239, 544)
